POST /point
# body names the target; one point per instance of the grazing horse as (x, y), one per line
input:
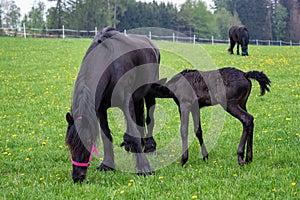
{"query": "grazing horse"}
(115, 72)
(229, 87)
(239, 35)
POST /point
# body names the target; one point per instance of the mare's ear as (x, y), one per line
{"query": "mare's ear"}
(69, 119)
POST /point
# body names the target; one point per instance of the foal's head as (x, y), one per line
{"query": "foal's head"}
(79, 154)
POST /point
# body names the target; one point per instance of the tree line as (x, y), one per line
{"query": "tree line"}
(265, 19)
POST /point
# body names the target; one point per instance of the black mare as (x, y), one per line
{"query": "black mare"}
(239, 35)
(115, 72)
(229, 87)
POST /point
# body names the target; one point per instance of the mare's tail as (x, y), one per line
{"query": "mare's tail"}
(262, 79)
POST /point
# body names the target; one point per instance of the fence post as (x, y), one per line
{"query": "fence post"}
(150, 35)
(24, 27)
(291, 43)
(125, 32)
(212, 39)
(173, 37)
(63, 29)
(269, 42)
(280, 43)
(194, 40)
(96, 30)
(256, 42)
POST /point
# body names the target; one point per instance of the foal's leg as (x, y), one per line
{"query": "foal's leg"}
(108, 161)
(247, 121)
(150, 144)
(184, 125)
(198, 130)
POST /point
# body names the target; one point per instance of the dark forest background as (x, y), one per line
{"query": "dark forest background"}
(265, 19)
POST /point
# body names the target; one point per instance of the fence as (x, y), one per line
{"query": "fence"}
(166, 34)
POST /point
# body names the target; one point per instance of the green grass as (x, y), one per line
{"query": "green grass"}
(37, 77)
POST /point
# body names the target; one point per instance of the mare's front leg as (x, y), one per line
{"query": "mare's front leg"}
(247, 120)
(134, 138)
(198, 130)
(108, 161)
(184, 124)
(150, 144)
(238, 49)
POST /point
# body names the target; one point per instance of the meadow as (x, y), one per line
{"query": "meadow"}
(37, 78)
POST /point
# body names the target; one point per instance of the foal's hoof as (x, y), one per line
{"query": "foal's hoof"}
(105, 168)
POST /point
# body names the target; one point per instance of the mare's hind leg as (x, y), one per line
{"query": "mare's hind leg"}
(150, 144)
(248, 125)
(108, 161)
(198, 130)
(232, 44)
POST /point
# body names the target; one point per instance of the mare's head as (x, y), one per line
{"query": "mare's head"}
(79, 154)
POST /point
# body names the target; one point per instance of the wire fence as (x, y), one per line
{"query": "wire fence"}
(151, 33)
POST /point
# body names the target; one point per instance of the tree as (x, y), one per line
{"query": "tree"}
(196, 19)
(9, 14)
(279, 22)
(35, 17)
(224, 20)
(293, 8)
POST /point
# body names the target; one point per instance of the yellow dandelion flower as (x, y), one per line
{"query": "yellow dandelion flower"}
(14, 135)
(288, 119)
(129, 184)
(273, 190)
(5, 153)
(160, 177)
(298, 134)
(42, 178)
(27, 159)
(131, 181)
(122, 192)
(44, 142)
(30, 149)
(194, 197)
(293, 184)
(235, 175)
(22, 174)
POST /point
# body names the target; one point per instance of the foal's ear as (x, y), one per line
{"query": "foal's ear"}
(69, 119)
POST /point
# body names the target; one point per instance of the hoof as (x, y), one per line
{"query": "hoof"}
(150, 145)
(105, 168)
(205, 158)
(140, 173)
(242, 163)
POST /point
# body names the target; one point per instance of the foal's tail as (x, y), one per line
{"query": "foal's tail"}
(262, 78)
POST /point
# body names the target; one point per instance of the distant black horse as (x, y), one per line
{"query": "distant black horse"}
(116, 71)
(229, 87)
(239, 35)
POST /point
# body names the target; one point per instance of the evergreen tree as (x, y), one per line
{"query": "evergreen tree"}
(279, 22)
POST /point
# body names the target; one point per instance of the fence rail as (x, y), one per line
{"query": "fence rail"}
(173, 37)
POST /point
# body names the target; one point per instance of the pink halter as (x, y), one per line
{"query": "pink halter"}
(94, 150)
(78, 164)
